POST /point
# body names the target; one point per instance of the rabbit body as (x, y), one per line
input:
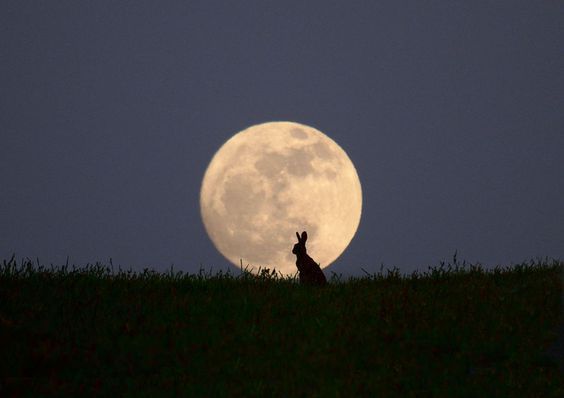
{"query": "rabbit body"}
(309, 271)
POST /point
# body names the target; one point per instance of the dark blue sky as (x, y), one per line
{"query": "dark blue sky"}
(452, 112)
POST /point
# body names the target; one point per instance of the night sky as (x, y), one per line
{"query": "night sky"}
(452, 112)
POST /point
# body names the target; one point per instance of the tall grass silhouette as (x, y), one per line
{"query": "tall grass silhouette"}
(454, 330)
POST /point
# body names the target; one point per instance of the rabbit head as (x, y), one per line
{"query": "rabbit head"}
(300, 248)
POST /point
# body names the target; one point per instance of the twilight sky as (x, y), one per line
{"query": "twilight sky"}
(452, 112)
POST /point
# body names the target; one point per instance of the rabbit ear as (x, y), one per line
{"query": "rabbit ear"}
(304, 236)
(298, 235)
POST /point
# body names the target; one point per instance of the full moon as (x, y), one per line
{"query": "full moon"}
(271, 180)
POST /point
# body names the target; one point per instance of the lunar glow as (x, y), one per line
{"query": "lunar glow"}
(271, 180)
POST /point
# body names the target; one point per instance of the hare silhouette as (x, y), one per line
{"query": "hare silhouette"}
(309, 271)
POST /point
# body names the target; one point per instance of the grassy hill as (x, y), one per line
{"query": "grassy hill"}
(452, 331)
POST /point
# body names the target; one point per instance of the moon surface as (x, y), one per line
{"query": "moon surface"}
(271, 180)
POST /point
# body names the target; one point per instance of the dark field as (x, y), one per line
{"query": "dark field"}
(456, 332)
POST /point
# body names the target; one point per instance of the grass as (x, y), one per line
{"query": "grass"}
(456, 331)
